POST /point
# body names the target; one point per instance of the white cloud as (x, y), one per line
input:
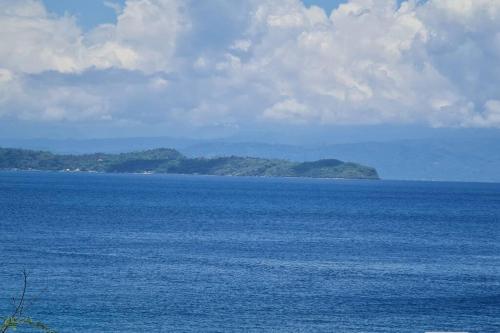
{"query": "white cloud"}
(290, 110)
(369, 62)
(114, 5)
(144, 38)
(490, 116)
(242, 45)
(73, 104)
(5, 76)
(52, 102)
(33, 41)
(374, 61)
(158, 83)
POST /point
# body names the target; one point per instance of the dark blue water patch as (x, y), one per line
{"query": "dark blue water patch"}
(119, 253)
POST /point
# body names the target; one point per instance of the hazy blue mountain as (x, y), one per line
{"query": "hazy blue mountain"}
(448, 159)
(89, 146)
(464, 160)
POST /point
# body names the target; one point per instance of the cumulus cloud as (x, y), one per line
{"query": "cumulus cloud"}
(34, 41)
(144, 38)
(376, 62)
(367, 62)
(370, 61)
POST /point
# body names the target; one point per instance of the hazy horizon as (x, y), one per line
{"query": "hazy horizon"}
(309, 74)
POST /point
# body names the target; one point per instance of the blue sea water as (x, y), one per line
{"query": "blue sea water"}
(154, 253)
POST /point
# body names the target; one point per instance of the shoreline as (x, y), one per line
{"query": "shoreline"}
(179, 174)
(250, 177)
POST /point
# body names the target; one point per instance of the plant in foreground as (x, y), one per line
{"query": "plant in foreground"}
(17, 319)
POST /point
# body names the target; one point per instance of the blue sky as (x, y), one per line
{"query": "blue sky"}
(89, 12)
(93, 12)
(221, 67)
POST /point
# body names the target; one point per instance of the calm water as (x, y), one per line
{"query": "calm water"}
(134, 253)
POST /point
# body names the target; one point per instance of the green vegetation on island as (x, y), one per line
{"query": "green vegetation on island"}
(171, 161)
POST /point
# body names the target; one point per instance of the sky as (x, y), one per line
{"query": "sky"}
(95, 68)
(90, 13)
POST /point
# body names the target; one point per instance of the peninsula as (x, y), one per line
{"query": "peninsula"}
(171, 161)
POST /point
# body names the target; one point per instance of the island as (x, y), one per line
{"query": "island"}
(170, 161)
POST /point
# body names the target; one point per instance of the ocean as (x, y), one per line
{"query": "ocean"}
(170, 253)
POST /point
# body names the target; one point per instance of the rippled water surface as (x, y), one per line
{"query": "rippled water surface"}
(151, 253)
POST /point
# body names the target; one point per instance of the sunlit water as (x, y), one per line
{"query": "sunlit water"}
(148, 253)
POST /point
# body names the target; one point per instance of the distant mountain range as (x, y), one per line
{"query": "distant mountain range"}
(172, 162)
(465, 158)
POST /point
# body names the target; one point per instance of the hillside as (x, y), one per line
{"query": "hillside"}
(455, 156)
(446, 159)
(171, 161)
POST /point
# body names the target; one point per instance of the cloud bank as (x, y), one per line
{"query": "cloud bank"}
(435, 62)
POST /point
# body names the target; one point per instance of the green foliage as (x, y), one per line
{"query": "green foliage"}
(171, 161)
(13, 323)
(17, 319)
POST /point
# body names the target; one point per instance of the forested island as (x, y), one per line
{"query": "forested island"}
(171, 161)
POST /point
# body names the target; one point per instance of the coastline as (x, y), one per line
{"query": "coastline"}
(179, 174)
